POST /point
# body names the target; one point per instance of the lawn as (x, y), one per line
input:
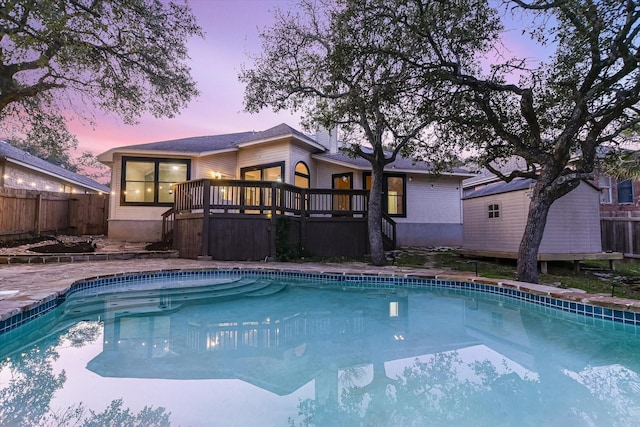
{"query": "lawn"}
(594, 277)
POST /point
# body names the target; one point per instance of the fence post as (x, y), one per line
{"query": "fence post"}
(38, 213)
(206, 204)
(629, 234)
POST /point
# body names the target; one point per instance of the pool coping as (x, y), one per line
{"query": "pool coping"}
(44, 258)
(597, 306)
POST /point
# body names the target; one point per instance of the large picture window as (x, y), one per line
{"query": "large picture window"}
(149, 182)
(394, 186)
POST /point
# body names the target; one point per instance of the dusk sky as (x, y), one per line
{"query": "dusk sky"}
(231, 32)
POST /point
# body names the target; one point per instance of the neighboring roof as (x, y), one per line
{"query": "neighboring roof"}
(204, 145)
(484, 176)
(401, 164)
(20, 157)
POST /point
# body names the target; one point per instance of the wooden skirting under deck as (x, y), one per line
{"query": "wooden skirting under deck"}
(544, 258)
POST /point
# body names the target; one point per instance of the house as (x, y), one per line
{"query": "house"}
(21, 170)
(495, 217)
(426, 208)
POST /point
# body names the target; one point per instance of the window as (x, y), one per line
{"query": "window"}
(494, 211)
(604, 182)
(150, 181)
(270, 172)
(393, 190)
(301, 176)
(625, 191)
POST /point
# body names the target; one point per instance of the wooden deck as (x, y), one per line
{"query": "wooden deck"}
(258, 220)
(543, 259)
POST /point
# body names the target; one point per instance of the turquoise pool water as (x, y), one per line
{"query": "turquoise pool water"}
(263, 351)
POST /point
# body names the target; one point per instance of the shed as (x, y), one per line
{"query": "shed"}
(495, 217)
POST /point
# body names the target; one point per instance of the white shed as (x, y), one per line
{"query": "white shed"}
(495, 217)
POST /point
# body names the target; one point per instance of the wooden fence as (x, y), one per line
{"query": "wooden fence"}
(620, 232)
(25, 213)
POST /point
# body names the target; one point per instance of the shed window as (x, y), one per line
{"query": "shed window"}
(150, 182)
(494, 211)
(625, 191)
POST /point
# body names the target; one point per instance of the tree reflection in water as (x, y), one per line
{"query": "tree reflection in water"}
(438, 392)
(25, 400)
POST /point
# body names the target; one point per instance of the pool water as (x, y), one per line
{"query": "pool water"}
(297, 355)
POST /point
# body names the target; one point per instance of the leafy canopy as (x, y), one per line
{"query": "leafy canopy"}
(60, 58)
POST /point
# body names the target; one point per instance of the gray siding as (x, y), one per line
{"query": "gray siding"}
(573, 224)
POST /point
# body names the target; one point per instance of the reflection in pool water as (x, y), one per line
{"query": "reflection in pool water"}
(316, 356)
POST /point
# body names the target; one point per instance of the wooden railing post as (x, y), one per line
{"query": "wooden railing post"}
(272, 240)
(206, 203)
(303, 218)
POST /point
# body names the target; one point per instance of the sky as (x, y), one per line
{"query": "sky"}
(231, 32)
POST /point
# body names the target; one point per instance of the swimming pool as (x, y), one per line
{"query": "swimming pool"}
(259, 348)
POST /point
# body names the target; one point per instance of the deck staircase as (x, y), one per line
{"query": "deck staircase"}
(388, 232)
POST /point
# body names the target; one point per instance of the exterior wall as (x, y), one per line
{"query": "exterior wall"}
(16, 176)
(609, 205)
(132, 223)
(135, 230)
(434, 212)
(299, 154)
(495, 234)
(264, 154)
(324, 172)
(573, 224)
(224, 163)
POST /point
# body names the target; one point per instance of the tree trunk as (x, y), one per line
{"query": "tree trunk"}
(532, 237)
(374, 216)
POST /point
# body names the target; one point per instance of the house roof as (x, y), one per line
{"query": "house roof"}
(212, 144)
(401, 164)
(20, 157)
(204, 145)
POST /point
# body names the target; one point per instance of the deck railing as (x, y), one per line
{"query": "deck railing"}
(168, 218)
(272, 199)
(262, 197)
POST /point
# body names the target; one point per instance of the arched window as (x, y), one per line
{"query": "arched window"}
(301, 178)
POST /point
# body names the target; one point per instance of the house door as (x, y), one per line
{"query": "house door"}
(344, 181)
(254, 196)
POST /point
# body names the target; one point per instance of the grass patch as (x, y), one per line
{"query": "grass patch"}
(594, 277)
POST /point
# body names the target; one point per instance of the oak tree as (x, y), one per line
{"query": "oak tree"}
(65, 58)
(557, 114)
(338, 62)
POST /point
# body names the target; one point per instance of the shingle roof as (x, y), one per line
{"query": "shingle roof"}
(203, 144)
(401, 163)
(10, 152)
(501, 187)
(207, 144)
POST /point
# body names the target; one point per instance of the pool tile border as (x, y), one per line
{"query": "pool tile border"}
(593, 308)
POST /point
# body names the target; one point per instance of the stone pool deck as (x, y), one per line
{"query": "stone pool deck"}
(25, 285)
